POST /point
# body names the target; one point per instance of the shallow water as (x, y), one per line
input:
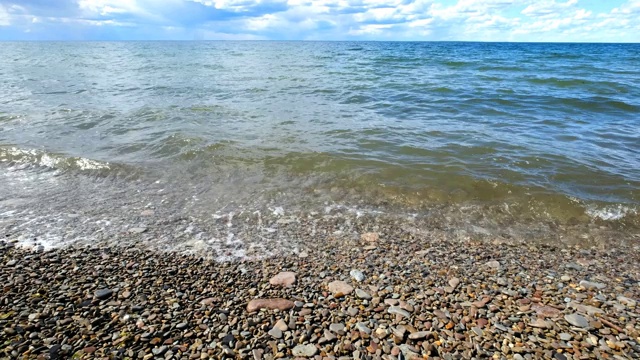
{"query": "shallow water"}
(518, 134)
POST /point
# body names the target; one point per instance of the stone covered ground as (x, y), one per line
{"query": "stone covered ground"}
(376, 296)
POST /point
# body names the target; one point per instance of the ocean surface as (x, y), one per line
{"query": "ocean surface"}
(488, 137)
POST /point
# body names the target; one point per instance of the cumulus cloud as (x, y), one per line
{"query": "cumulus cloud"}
(484, 20)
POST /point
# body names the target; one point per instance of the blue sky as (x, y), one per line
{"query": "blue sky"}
(465, 20)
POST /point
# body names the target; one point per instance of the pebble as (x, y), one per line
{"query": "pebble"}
(339, 287)
(103, 294)
(12, 262)
(592, 285)
(137, 230)
(363, 328)
(275, 332)
(304, 350)
(270, 304)
(285, 278)
(370, 237)
(361, 294)
(419, 335)
(494, 264)
(577, 320)
(357, 275)
(337, 328)
(453, 282)
(399, 311)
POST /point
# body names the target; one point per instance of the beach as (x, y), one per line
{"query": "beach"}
(392, 293)
(326, 200)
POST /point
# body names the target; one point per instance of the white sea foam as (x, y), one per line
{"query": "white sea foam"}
(608, 213)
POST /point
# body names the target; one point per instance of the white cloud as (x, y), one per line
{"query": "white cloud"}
(4, 16)
(489, 20)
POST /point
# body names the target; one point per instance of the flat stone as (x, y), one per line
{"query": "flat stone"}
(539, 323)
(12, 262)
(362, 327)
(545, 311)
(454, 282)
(147, 213)
(285, 278)
(280, 324)
(592, 285)
(565, 278)
(126, 294)
(398, 311)
(577, 320)
(477, 331)
(357, 275)
(565, 336)
(337, 328)
(304, 350)
(269, 304)
(103, 293)
(137, 230)
(276, 333)
(419, 335)
(494, 264)
(370, 237)
(182, 326)
(626, 301)
(340, 287)
(574, 266)
(362, 294)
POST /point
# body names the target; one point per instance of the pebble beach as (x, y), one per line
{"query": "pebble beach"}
(372, 295)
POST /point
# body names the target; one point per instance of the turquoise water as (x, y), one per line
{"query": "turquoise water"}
(550, 130)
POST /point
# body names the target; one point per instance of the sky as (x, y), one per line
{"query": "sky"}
(401, 20)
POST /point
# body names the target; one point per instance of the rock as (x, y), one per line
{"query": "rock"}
(304, 350)
(362, 294)
(399, 311)
(340, 287)
(544, 310)
(337, 328)
(269, 304)
(419, 335)
(303, 254)
(494, 264)
(362, 327)
(592, 285)
(574, 266)
(454, 282)
(126, 294)
(539, 323)
(182, 326)
(370, 237)
(565, 336)
(276, 333)
(103, 293)
(577, 320)
(280, 324)
(477, 331)
(147, 213)
(285, 278)
(626, 301)
(565, 278)
(137, 230)
(12, 262)
(357, 275)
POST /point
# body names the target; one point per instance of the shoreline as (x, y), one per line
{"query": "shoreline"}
(422, 295)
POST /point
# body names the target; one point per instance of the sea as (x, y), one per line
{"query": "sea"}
(180, 143)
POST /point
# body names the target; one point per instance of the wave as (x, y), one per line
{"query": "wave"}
(43, 160)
